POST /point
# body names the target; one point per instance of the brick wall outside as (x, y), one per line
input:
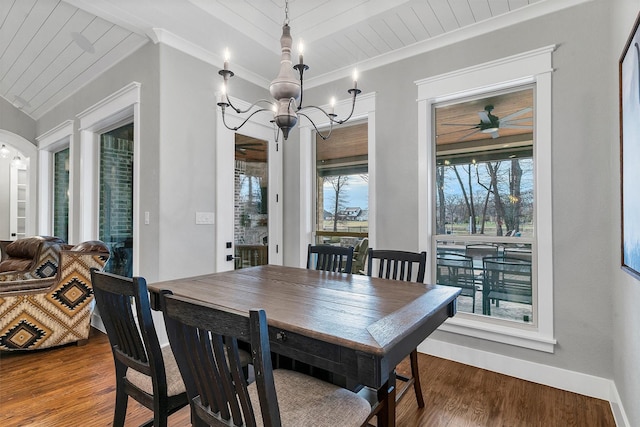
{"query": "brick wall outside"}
(116, 201)
(250, 214)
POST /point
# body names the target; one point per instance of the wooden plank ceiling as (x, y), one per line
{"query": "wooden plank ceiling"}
(49, 49)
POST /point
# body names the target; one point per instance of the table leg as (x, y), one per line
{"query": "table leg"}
(387, 397)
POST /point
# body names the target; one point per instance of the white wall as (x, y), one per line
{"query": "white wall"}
(585, 171)
(141, 66)
(626, 289)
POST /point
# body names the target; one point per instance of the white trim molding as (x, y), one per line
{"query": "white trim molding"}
(50, 142)
(115, 108)
(533, 67)
(365, 109)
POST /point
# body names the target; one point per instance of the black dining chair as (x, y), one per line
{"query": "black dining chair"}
(330, 258)
(405, 266)
(205, 339)
(144, 370)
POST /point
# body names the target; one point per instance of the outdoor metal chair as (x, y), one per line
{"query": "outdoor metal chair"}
(453, 269)
(506, 279)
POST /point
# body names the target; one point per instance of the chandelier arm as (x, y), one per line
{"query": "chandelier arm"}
(353, 106)
(324, 137)
(245, 120)
(240, 111)
(308, 107)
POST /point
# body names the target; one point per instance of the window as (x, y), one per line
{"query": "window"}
(485, 203)
(342, 187)
(55, 174)
(116, 198)
(122, 106)
(485, 195)
(61, 194)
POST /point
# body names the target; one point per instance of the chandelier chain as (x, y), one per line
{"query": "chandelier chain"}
(286, 12)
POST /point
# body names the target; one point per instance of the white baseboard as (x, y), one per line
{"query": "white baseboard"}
(96, 322)
(576, 382)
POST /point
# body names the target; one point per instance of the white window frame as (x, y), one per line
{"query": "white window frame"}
(365, 110)
(112, 110)
(49, 143)
(533, 67)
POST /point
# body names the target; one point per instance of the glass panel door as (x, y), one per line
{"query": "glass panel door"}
(251, 218)
(116, 198)
(61, 194)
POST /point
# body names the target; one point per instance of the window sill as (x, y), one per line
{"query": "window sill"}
(465, 325)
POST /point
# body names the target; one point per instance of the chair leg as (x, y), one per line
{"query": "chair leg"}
(121, 404)
(415, 372)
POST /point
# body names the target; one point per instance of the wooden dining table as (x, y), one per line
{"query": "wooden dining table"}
(354, 326)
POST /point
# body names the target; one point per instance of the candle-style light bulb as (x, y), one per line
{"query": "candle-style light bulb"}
(300, 52)
(355, 79)
(226, 59)
(332, 103)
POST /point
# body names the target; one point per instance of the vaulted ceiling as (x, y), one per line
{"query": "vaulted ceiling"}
(51, 48)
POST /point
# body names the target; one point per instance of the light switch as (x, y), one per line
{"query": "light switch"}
(146, 218)
(205, 218)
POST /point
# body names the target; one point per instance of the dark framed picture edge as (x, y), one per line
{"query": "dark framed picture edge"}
(634, 31)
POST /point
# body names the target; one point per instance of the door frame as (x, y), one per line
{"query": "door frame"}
(118, 108)
(225, 206)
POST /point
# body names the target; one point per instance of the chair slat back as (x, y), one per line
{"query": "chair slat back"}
(330, 258)
(204, 340)
(481, 250)
(398, 265)
(134, 345)
(509, 276)
(453, 269)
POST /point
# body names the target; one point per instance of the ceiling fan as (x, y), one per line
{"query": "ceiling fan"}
(244, 147)
(490, 124)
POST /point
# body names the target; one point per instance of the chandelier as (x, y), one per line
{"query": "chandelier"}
(287, 91)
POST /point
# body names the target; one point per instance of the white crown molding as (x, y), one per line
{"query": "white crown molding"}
(535, 10)
(109, 106)
(520, 15)
(55, 134)
(160, 35)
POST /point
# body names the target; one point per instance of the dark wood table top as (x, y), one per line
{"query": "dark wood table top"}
(362, 313)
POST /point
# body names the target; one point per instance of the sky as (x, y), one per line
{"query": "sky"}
(357, 194)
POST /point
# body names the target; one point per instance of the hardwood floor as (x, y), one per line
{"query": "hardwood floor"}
(73, 386)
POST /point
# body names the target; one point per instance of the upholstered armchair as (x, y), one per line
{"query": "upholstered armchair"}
(40, 312)
(34, 257)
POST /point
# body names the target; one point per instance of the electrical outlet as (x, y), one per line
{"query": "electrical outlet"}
(205, 218)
